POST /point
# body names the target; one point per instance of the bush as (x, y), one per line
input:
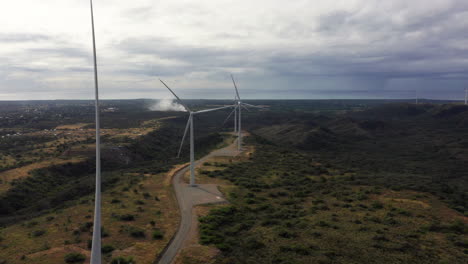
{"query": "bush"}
(75, 258)
(32, 223)
(157, 234)
(136, 232)
(254, 243)
(377, 205)
(123, 260)
(38, 233)
(86, 226)
(127, 217)
(106, 249)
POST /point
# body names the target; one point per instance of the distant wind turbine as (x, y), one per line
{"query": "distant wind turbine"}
(96, 242)
(190, 125)
(239, 107)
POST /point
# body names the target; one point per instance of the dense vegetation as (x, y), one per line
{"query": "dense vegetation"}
(289, 208)
(399, 146)
(343, 181)
(53, 186)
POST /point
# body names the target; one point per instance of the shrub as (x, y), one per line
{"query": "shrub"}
(157, 234)
(136, 232)
(32, 223)
(38, 233)
(75, 258)
(127, 217)
(123, 260)
(254, 243)
(458, 227)
(377, 205)
(286, 234)
(86, 226)
(106, 249)
(104, 232)
(323, 224)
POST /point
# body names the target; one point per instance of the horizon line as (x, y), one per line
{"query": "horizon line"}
(223, 99)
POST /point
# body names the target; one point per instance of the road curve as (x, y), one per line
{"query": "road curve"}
(187, 197)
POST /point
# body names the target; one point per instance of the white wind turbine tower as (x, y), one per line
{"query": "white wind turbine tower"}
(239, 106)
(190, 125)
(96, 242)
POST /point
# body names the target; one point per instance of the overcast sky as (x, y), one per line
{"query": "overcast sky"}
(275, 48)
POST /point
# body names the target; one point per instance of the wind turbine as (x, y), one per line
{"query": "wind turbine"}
(190, 125)
(239, 106)
(96, 242)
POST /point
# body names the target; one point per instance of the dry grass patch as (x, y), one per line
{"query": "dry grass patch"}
(47, 239)
(73, 126)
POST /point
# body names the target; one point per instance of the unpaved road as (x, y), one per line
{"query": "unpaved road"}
(188, 197)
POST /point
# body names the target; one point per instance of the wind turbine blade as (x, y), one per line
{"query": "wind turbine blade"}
(178, 99)
(252, 105)
(243, 106)
(235, 86)
(185, 134)
(213, 109)
(230, 114)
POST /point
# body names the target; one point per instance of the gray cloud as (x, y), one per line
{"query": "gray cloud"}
(20, 37)
(371, 48)
(69, 52)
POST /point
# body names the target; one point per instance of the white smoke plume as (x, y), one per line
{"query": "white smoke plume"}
(167, 105)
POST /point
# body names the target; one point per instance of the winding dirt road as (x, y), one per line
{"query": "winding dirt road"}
(188, 197)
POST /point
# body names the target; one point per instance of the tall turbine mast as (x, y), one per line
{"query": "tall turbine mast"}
(96, 242)
(189, 126)
(235, 118)
(239, 126)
